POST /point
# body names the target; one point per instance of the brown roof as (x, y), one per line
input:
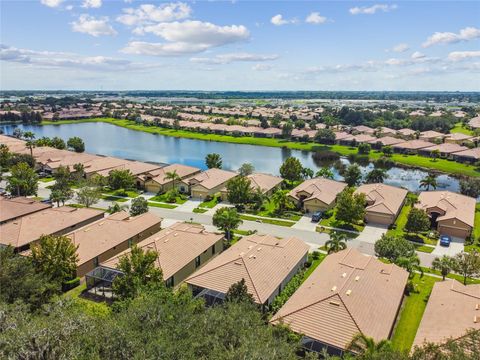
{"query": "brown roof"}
(361, 138)
(446, 148)
(20, 206)
(364, 129)
(347, 294)
(264, 182)
(135, 167)
(430, 134)
(262, 260)
(475, 122)
(451, 310)
(325, 190)
(383, 198)
(471, 153)
(341, 135)
(103, 235)
(413, 144)
(176, 246)
(387, 140)
(211, 178)
(183, 171)
(406, 132)
(458, 136)
(454, 205)
(29, 228)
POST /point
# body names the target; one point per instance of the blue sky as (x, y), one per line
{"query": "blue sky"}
(240, 45)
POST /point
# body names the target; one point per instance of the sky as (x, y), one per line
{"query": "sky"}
(239, 45)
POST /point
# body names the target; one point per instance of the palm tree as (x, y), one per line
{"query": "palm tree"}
(410, 264)
(325, 172)
(429, 181)
(376, 176)
(29, 136)
(227, 219)
(213, 161)
(443, 264)
(337, 242)
(307, 173)
(367, 346)
(281, 200)
(435, 154)
(172, 175)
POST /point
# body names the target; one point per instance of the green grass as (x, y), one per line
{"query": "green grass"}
(312, 267)
(415, 161)
(37, 198)
(460, 129)
(163, 198)
(412, 312)
(211, 203)
(80, 206)
(200, 210)
(242, 232)
(121, 193)
(476, 228)
(114, 198)
(400, 222)
(267, 221)
(333, 222)
(46, 179)
(424, 248)
(269, 210)
(451, 276)
(329, 231)
(159, 205)
(97, 309)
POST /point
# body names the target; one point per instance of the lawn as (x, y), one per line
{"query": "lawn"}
(122, 193)
(270, 211)
(333, 222)
(114, 198)
(210, 203)
(412, 312)
(200, 210)
(163, 198)
(451, 276)
(312, 267)
(415, 161)
(90, 307)
(349, 235)
(80, 206)
(400, 222)
(160, 205)
(46, 179)
(460, 129)
(424, 248)
(267, 221)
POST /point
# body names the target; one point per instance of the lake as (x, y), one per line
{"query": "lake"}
(108, 139)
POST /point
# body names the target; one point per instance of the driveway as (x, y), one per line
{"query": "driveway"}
(305, 223)
(456, 246)
(188, 205)
(372, 233)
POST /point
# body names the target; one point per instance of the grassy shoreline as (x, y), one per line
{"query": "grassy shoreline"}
(413, 161)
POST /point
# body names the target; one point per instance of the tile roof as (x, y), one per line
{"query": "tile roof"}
(387, 140)
(447, 148)
(413, 144)
(262, 260)
(20, 206)
(264, 182)
(322, 189)
(347, 294)
(473, 153)
(458, 136)
(159, 175)
(176, 246)
(211, 178)
(451, 310)
(383, 198)
(475, 122)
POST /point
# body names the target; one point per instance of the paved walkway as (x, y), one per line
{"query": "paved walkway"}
(305, 223)
(372, 233)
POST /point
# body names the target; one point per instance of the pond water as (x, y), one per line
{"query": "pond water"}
(108, 139)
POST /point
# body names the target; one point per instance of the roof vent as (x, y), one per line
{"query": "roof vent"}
(476, 319)
(176, 234)
(166, 240)
(237, 263)
(477, 306)
(357, 278)
(259, 249)
(344, 275)
(335, 303)
(101, 223)
(349, 292)
(334, 288)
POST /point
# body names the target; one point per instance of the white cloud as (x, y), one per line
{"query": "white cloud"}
(147, 14)
(278, 20)
(56, 60)
(372, 9)
(316, 18)
(463, 55)
(187, 37)
(234, 57)
(51, 3)
(418, 55)
(92, 4)
(93, 26)
(400, 48)
(262, 67)
(469, 33)
(69, 7)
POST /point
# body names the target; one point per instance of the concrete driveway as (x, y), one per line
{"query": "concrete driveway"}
(372, 233)
(188, 205)
(305, 223)
(456, 246)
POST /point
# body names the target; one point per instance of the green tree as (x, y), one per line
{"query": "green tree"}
(410, 263)
(23, 181)
(367, 346)
(392, 248)
(57, 143)
(430, 181)
(352, 175)
(470, 187)
(387, 151)
(121, 179)
(139, 206)
(61, 195)
(325, 172)
(213, 161)
(238, 292)
(287, 129)
(364, 148)
(435, 154)
(76, 144)
(467, 264)
(246, 169)
(337, 242)
(281, 201)
(325, 136)
(139, 270)
(239, 191)
(350, 206)
(307, 173)
(174, 177)
(443, 264)
(78, 172)
(291, 169)
(56, 257)
(5, 156)
(376, 176)
(88, 194)
(29, 136)
(417, 221)
(226, 219)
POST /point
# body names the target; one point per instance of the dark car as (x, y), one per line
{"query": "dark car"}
(445, 240)
(316, 216)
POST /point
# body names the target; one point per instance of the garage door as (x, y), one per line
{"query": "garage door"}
(154, 188)
(312, 208)
(199, 194)
(378, 219)
(461, 233)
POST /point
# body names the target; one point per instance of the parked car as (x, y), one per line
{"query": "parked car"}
(46, 201)
(317, 216)
(445, 240)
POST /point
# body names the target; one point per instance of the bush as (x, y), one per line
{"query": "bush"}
(409, 288)
(70, 284)
(316, 255)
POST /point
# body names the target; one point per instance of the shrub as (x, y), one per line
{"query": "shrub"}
(409, 288)
(70, 284)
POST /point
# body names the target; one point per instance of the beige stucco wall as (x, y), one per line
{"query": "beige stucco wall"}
(454, 227)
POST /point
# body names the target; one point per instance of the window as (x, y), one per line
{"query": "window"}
(95, 261)
(213, 249)
(197, 261)
(169, 282)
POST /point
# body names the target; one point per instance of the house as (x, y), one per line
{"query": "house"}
(263, 261)
(103, 239)
(452, 310)
(207, 183)
(406, 133)
(181, 248)
(384, 202)
(11, 209)
(155, 181)
(265, 182)
(362, 129)
(347, 294)
(136, 168)
(445, 150)
(411, 146)
(432, 136)
(386, 141)
(458, 138)
(316, 194)
(451, 213)
(385, 131)
(470, 155)
(474, 123)
(25, 230)
(357, 139)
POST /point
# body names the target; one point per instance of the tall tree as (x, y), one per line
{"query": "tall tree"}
(307, 173)
(337, 242)
(443, 264)
(325, 136)
(88, 194)
(29, 136)
(417, 221)
(376, 176)
(213, 161)
(246, 169)
(139, 206)
(467, 264)
(281, 201)
(350, 206)
(410, 263)
(239, 191)
(174, 177)
(430, 181)
(121, 179)
(352, 175)
(227, 219)
(291, 169)
(76, 144)
(392, 247)
(325, 172)
(470, 187)
(23, 181)
(238, 292)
